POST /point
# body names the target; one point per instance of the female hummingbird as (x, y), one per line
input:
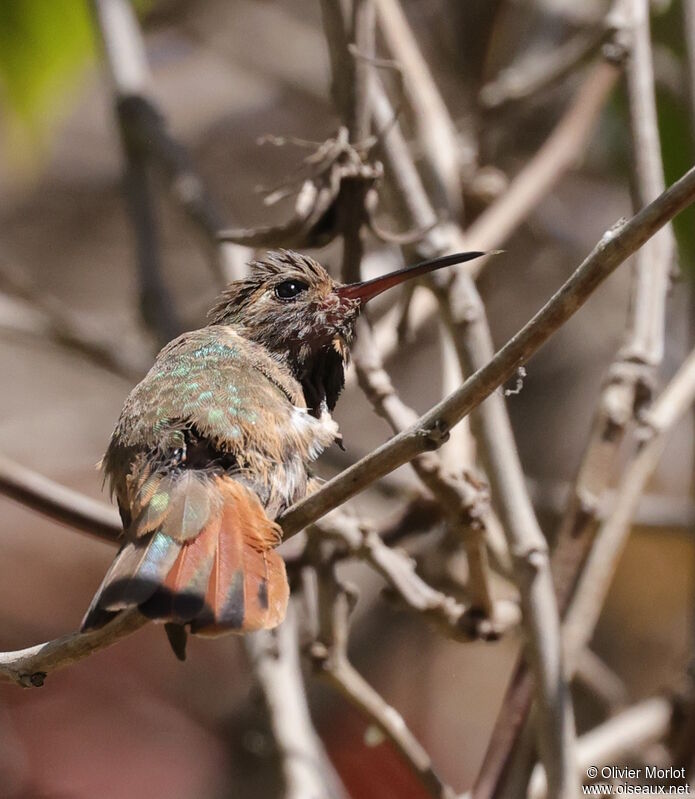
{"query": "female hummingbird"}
(216, 441)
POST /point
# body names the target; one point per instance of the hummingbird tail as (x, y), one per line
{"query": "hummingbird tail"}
(227, 578)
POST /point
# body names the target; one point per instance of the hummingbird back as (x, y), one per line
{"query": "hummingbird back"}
(210, 447)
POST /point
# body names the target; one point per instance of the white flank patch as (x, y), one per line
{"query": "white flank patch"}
(318, 433)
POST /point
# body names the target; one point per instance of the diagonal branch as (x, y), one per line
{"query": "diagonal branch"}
(430, 431)
(631, 377)
(435, 130)
(496, 224)
(329, 656)
(29, 667)
(274, 657)
(58, 502)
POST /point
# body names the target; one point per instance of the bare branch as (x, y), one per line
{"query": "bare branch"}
(274, 657)
(434, 128)
(493, 227)
(590, 594)
(521, 81)
(30, 667)
(329, 655)
(59, 503)
(620, 736)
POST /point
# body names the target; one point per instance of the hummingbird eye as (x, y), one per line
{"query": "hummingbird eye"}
(289, 289)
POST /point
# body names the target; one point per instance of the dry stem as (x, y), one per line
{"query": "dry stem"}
(628, 385)
(329, 655)
(274, 656)
(29, 667)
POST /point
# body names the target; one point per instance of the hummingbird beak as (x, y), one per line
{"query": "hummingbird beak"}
(367, 289)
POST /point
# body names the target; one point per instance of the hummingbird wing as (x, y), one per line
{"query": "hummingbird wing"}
(230, 392)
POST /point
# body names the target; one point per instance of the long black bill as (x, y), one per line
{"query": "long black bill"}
(368, 289)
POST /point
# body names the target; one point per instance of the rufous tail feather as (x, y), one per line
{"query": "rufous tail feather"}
(227, 578)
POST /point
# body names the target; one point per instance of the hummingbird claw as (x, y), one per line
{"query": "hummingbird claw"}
(178, 638)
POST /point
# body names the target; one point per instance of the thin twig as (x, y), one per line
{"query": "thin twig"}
(559, 153)
(523, 80)
(435, 131)
(628, 732)
(329, 655)
(274, 657)
(58, 502)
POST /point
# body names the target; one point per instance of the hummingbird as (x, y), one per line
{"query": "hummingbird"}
(217, 441)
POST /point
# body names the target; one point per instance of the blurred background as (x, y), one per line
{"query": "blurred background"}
(132, 721)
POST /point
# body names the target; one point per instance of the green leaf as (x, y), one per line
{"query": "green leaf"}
(44, 47)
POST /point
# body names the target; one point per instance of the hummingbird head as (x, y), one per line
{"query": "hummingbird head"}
(291, 305)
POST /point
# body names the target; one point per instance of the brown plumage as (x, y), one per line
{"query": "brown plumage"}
(215, 442)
